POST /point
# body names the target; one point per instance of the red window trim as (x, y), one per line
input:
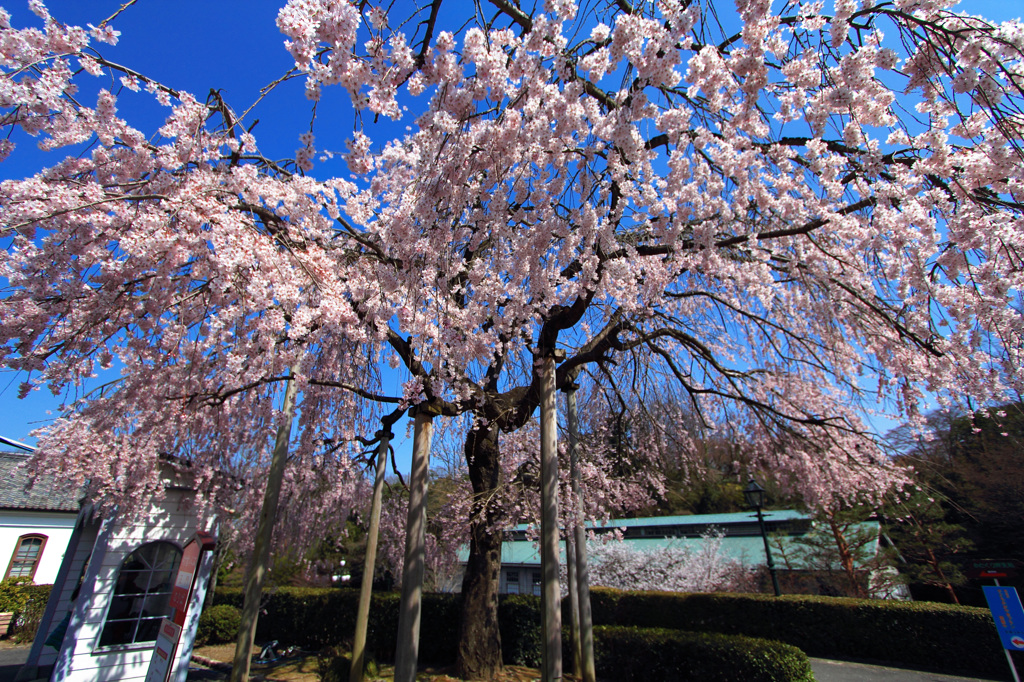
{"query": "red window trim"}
(39, 556)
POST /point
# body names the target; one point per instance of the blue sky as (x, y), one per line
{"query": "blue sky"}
(232, 45)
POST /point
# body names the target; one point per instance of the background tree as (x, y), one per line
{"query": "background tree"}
(702, 568)
(967, 506)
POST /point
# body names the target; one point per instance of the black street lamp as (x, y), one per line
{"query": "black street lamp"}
(754, 495)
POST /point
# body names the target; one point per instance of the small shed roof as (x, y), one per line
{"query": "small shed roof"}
(48, 493)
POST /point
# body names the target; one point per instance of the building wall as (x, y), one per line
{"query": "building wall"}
(75, 570)
(527, 579)
(56, 526)
(81, 658)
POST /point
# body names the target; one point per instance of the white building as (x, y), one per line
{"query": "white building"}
(113, 587)
(35, 523)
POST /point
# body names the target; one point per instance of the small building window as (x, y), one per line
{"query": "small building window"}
(512, 582)
(536, 583)
(25, 559)
(141, 594)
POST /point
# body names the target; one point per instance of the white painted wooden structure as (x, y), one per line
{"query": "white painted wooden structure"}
(96, 554)
(37, 519)
(55, 527)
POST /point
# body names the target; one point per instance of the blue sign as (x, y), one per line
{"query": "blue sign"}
(1005, 606)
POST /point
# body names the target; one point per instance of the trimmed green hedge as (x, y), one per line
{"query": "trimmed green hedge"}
(625, 653)
(314, 618)
(940, 637)
(27, 601)
(218, 624)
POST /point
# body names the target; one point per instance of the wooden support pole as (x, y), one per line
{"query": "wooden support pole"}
(574, 601)
(407, 649)
(587, 672)
(261, 548)
(366, 588)
(550, 593)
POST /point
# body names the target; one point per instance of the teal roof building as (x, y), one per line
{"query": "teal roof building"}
(741, 541)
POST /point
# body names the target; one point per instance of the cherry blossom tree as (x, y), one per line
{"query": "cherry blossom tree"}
(786, 214)
(704, 568)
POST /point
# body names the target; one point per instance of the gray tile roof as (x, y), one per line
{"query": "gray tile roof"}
(45, 495)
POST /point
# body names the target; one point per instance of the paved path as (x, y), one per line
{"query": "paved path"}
(842, 671)
(11, 660)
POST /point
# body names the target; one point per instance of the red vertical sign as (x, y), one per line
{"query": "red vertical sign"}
(161, 664)
(183, 582)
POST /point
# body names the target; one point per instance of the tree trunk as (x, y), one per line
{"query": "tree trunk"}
(366, 588)
(479, 653)
(846, 558)
(261, 548)
(407, 648)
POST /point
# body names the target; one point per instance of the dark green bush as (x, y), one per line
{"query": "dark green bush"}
(333, 664)
(940, 637)
(315, 618)
(519, 619)
(27, 602)
(12, 594)
(218, 624)
(629, 653)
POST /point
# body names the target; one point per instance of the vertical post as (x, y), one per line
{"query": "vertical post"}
(768, 554)
(261, 548)
(1009, 658)
(407, 649)
(587, 671)
(550, 593)
(366, 588)
(574, 601)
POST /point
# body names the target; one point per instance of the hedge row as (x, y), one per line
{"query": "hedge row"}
(315, 618)
(27, 602)
(321, 618)
(940, 637)
(627, 654)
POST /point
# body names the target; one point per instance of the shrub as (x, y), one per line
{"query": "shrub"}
(333, 664)
(315, 618)
(519, 620)
(940, 637)
(13, 596)
(628, 653)
(27, 602)
(218, 624)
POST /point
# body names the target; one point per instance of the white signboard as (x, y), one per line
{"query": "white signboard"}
(163, 655)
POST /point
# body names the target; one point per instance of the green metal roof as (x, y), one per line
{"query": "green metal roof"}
(744, 546)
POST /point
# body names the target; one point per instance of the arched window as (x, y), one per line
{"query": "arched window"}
(141, 594)
(25, 559)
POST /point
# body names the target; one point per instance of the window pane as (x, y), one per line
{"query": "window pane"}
(19, 569)
(148, 630)
(132, 582)
(162, 581)
(157, 605)
(118, 632)
(26, 556)
(142, 593)
(124, 607)
(28, 550)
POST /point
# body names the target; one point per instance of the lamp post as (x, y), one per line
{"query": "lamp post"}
(754, 495)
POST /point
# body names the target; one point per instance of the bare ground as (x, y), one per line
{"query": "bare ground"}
(303, 668)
